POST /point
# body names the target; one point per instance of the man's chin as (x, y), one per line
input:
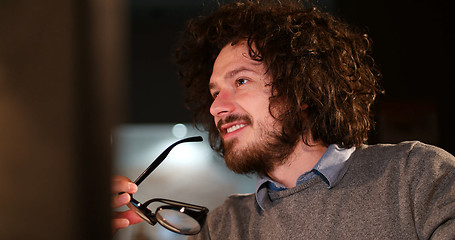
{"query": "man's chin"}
(229, 144)
(244, 160)
(257, 158)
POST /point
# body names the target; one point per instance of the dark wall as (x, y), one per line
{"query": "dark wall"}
(155, 93)
(413, 45)
(412, 41)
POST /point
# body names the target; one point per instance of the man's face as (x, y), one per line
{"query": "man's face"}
(241, 90)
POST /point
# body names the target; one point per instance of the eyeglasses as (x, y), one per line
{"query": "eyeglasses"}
(179, 217)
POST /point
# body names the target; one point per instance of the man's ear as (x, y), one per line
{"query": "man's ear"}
(304, 107)
(304, 111)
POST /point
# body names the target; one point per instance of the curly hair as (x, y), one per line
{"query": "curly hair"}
(321, 68)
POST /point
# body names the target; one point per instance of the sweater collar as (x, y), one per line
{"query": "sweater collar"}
(331, 168)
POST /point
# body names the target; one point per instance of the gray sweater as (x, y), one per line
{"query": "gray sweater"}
(403, 191)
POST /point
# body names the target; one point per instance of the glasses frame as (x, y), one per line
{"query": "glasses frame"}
(196, 212)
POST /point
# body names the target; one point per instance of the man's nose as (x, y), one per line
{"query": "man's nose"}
(222, 105)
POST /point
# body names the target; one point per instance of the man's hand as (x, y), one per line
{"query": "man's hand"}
(121, 184)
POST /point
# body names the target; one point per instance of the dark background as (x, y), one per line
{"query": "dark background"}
(412, 44)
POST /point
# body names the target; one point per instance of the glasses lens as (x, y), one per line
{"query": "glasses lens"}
(133, 206)
(177, 221)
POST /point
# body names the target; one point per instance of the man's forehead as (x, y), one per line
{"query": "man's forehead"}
(234, 59)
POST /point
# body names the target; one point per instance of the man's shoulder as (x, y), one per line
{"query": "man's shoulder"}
(236, 204)
(405, 149)
(411, 155)
(429, 151)
(237, 207)
(239, 201)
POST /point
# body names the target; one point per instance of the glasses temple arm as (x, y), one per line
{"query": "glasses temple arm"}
(162, 156)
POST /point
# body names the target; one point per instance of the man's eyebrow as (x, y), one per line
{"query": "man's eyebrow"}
(237, 70)
(233, 73)
(211, 86)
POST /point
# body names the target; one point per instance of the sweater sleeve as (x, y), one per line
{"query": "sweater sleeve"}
(432, 186)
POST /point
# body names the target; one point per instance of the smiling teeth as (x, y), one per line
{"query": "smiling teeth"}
(235, 127)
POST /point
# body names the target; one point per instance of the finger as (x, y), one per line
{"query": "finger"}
(132, 217)
(122, 184)
(119, 223)
(120, 200)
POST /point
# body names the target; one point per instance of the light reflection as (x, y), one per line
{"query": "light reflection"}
(179, 130)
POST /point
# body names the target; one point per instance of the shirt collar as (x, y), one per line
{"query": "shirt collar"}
(332, 166)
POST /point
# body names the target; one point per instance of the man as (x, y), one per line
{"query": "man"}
(289, 91)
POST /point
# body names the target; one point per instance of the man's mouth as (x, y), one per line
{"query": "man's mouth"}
(235, 127)
(233, 123)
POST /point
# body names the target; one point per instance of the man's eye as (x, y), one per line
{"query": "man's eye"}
(214, 95)
(240, 82)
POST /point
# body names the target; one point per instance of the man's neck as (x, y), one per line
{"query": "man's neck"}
(302, 159)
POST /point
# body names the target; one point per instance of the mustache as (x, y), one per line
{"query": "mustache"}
(233, 118)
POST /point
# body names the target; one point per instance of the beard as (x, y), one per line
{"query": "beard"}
(261, 156)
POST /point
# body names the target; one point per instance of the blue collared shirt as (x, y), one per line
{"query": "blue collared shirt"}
(331, 168)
